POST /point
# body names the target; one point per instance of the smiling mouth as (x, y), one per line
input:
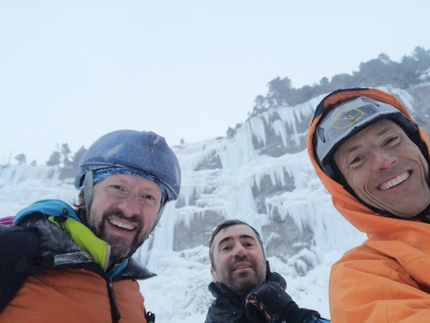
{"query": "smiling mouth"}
(394, 182)
(121, 225)
(242, 267)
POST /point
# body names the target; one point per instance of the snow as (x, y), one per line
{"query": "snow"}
(179, 291)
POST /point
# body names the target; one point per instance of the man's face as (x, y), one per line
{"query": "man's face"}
(385, 169)
(239, 262)
(123, 211)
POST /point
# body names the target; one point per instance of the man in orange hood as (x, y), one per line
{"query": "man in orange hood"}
(373, 159)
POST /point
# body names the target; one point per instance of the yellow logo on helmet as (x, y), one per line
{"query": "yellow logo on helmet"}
(345, 117)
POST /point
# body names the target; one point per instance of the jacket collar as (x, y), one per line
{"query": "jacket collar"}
(76, 239)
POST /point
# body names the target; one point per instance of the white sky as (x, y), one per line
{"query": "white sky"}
(71, 71)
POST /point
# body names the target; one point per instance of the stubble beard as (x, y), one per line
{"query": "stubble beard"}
(120, 247)
(245, 282)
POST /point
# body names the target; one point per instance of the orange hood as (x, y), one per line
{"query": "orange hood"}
(353, 210)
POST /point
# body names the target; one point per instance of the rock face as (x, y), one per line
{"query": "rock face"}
(254, 174)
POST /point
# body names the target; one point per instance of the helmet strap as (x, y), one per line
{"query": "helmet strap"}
(88, 192)
(157, 219)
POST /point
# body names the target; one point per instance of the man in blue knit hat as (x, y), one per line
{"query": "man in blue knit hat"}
(76, 265)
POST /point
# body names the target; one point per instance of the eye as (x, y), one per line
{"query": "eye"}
(355, 160)
(117, 190)
(226, 248)
(148, 197)
(391, 140)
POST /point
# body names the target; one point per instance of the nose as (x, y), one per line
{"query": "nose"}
(130, 205)
(383, 160)
(239, 250)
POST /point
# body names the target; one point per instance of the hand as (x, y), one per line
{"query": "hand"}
(269, 301)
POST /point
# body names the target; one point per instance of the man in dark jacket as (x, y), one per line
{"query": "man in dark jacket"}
(243, 285)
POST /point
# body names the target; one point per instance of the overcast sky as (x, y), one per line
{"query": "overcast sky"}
(71, 71)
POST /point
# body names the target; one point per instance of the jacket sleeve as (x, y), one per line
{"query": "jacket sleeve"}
(367, 286)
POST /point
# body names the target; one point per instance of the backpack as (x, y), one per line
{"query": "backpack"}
(19, 257)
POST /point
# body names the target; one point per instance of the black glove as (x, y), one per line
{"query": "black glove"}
(150, 317)
(269, 302)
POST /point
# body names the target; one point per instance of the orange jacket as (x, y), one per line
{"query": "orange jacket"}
(75, 288)
(71, 296)
(387, 278)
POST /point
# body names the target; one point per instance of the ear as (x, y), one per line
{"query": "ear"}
(214, 276)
